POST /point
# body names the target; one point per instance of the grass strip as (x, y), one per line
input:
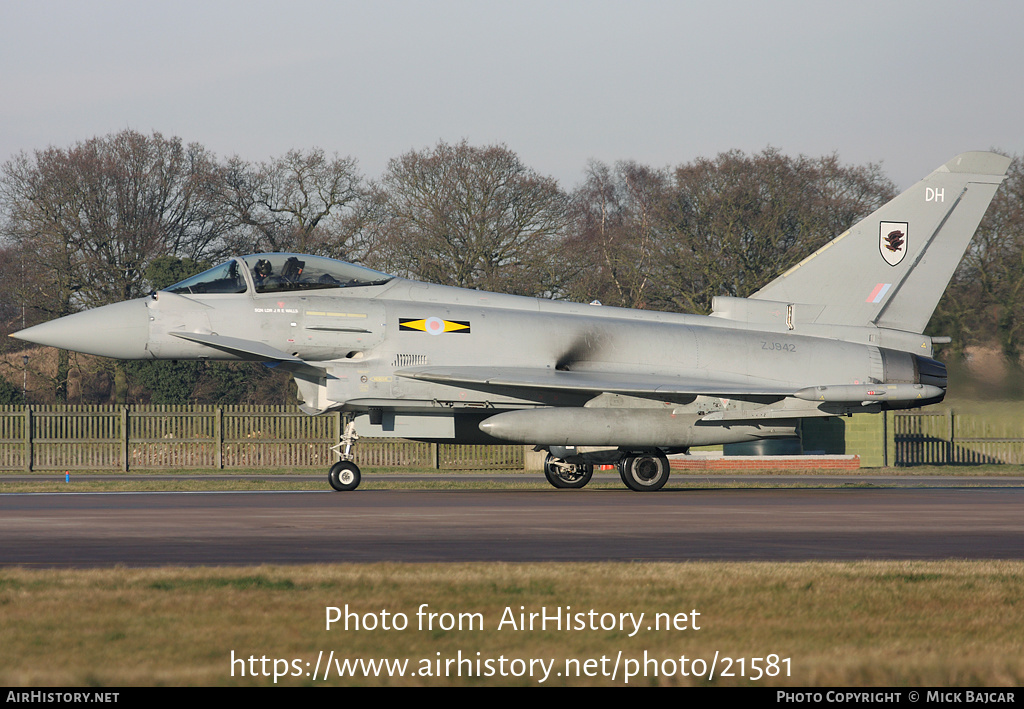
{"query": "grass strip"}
(942, 623)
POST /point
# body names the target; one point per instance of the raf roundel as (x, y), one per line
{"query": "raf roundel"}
(433, 326)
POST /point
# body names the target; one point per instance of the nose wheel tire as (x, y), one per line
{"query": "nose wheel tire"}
(644, 473)
(344, 476)
(565, 475)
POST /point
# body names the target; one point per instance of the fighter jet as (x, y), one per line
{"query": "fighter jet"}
(839, 333)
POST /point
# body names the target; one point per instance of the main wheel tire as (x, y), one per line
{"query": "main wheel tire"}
(344, 476)
(644, 473)
(575, 477)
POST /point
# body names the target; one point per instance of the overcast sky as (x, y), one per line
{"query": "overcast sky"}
(908, 84)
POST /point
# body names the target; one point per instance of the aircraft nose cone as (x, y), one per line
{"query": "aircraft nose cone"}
(120, 330)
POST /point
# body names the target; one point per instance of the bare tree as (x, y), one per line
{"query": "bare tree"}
(98, 212)
(42, 208)
(732, 223)
(145, 196)
(42, 214)
(614, 239)
(471, 217)
(88, 219)
(301, 202)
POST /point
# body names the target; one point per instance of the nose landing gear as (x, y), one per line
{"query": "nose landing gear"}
(344, 475)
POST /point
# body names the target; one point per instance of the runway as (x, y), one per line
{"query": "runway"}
(246, 528)
(678, 480)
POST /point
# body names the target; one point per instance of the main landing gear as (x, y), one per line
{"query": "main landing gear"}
(644, 472)
(344, 475)
(563, 474)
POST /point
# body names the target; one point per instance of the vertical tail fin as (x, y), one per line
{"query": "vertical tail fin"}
(891, 268)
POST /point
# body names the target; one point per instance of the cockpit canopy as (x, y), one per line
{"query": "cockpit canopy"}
(277, 273)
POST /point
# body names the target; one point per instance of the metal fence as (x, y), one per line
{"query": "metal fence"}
(209, 437)
(938, 438)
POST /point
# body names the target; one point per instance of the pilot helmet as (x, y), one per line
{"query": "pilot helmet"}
(263, 268)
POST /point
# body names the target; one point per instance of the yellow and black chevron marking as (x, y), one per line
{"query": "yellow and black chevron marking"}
(433, 326)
